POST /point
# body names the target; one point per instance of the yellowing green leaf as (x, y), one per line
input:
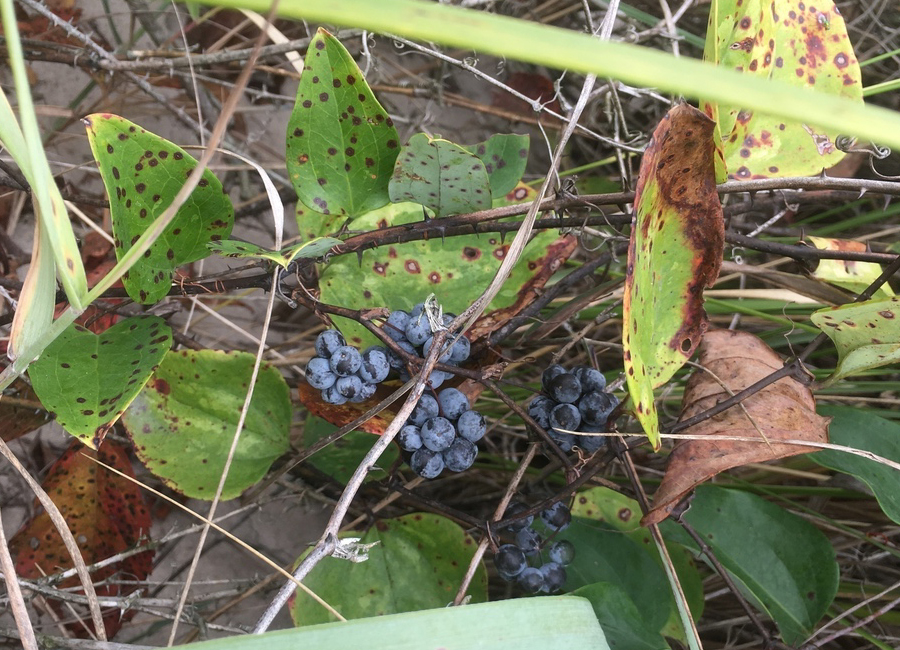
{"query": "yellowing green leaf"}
(677, 239)
(847, 274)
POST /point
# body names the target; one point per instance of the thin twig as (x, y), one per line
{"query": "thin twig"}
(16, 601)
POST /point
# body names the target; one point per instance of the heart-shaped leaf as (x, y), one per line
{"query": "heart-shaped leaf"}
(677, 239)
(341, 144)
(341, 458)
(88, 380)
(801, 44)
(310, 249)
(865, 334)
(440, 175)
(183, 422)
(142, 173)
(417, 562)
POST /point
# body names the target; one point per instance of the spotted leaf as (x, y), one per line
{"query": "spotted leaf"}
(455, 269)
(804, 44)
(848, 274)
(314, 248)
(88, 380)
(865, 334)
(341, 144)
(142, 173)
(504, 156)
(441, 176)
(183, 422)
(677, 240)
(107, 516)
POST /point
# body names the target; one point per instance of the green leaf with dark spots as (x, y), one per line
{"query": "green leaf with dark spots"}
(309, 249)
(440, 175)
(88, 380)
(866, 334)
(504, 156)
(142, 173)
(417, 562)
(456, 270)
(183, 422)
(341, 144)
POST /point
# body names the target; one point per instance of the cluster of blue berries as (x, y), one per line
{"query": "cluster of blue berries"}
(512, 560)
(441, 433)
(573, 401)
(342, 372)
(413, 332)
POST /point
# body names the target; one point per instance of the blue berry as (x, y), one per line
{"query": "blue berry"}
(427, 463)
(557, 517)
(437, 433)
(512, 510)
(562, 552)
(471, 425)
(565, 416)
(565, 388)
(554, 577)
(331, 396)
(565, 441)
(531, 580)
(375, 366)
(395, 360)
(596, 407)
(539, 410)
(529, 540)
(348, 387)
(426, 409)
(437, 378)
(396, 325)
(453, 403)
(418, 330)
(445, 355)
(460, 455)
(345, 361)
(409, 438)
(365, 392)
(551, 373)
(318, 373)
(510, 561)
(460, 350)
(329, 341)
(591, 379)
(590, 444)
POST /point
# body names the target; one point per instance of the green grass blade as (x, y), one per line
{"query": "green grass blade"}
(554, 47)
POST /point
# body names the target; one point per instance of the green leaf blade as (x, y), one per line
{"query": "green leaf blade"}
(341, 144)
(782, 561)
(418, 562)
(505, 156)
(89, 380)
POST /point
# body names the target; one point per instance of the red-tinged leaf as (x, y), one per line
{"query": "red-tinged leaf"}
(677, 240)
(345, 413)
(784, 410)
(20, 411)
(106, 514)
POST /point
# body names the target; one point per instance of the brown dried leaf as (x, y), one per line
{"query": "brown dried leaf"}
(784, 410)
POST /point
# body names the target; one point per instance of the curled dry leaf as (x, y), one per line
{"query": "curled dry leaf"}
(784, 410)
